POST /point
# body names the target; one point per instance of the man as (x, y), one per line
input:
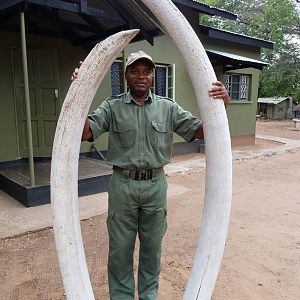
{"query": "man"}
(140, 126)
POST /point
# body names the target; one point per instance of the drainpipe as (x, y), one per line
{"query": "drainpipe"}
(27, 99)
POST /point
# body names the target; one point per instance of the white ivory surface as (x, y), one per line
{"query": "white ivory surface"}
(64, 166)
(218, 185)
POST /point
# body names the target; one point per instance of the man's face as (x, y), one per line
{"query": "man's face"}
(139, 77)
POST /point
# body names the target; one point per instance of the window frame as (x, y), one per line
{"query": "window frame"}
(170, 80)
(249, 81)
(123, 85)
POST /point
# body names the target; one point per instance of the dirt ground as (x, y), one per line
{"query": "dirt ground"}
(262, 253)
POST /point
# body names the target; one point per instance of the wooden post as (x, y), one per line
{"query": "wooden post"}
(27, 99)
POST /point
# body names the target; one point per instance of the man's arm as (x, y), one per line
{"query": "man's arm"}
(199, 135)
(218, 91)
(87, 132)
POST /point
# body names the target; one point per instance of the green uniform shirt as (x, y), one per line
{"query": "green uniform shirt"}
(140, 136)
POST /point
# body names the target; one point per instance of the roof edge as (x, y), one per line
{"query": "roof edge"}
(235, 37)
(206, 9)
(272, 100)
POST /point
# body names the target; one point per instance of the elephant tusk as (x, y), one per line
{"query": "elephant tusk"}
(64, 169)
(64, 166)
(218, 185)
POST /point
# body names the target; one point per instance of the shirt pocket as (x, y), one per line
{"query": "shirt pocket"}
(162, 137)
(126, 133)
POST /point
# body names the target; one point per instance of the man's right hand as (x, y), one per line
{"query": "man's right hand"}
(75, 73)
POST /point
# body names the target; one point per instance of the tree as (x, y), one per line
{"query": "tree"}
(274, 20)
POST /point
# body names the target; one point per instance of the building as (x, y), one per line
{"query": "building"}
(60, 33)
(275, 107)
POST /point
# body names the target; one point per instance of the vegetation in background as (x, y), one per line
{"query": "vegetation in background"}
(273, 20)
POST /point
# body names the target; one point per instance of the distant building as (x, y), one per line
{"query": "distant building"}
(275, 107)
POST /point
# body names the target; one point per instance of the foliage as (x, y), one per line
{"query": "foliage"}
(274, 20)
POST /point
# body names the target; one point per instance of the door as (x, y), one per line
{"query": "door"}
(44, 99)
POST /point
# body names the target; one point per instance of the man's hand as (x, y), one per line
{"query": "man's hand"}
(218, 91)
(75, 73)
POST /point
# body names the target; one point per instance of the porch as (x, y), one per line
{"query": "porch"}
(93, 177)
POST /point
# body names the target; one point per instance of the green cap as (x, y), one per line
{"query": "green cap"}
(133, 57)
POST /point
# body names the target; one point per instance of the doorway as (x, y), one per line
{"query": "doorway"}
(45, 102)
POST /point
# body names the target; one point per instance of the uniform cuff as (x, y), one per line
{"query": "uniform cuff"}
(191, 134)
(95, 130)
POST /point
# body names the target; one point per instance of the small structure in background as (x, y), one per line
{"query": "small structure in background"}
(275, 107)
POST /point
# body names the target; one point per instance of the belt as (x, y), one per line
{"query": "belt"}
(138, 174)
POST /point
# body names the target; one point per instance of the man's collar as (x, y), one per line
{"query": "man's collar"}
(129, 98)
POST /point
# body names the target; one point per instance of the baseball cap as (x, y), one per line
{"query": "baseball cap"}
(133, 57)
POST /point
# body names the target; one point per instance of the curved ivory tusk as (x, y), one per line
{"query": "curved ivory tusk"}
(218, 186)
(64, 166)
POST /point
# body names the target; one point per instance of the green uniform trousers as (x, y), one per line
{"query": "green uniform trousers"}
(135, 207)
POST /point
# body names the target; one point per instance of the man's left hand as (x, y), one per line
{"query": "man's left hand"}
(218, 91)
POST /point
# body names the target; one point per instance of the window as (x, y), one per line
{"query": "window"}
(280, 108)
(164, 81)
(238, 87)
(117, 81)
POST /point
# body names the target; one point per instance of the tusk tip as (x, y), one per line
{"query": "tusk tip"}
(132, 32)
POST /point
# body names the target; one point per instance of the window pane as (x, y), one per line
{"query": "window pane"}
(244, 87)
(160, 81)
(235, 79)
(116, 78)
(171, 82)
(237, 86)
(234, 96)
(228, 84)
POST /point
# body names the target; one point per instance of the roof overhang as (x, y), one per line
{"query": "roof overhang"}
(234, 37)
(232, 61)
(86, 22)
(272, 101)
